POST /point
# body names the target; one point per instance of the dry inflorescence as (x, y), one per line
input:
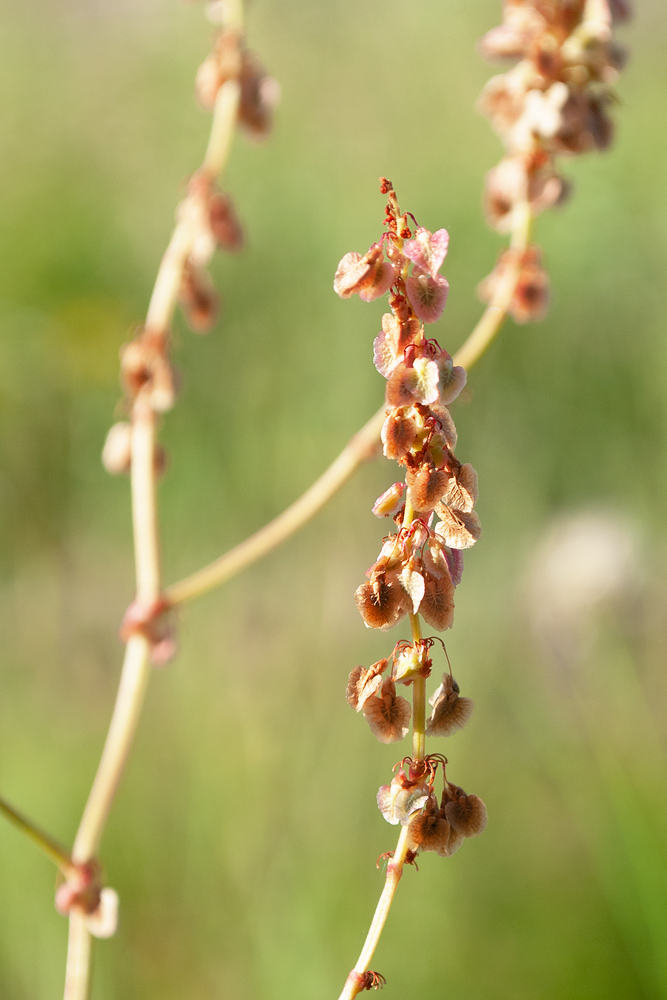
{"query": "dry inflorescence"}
(420, 564)
(554, 102)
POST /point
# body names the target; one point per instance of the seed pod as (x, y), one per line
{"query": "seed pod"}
(456, 528)
(362, 684)
(466, 814)
(117, 451)
(437, 606)
(388, 715)
(198, 298)
(399, 433)
(382, 602)
(450, 711)
(426, 485)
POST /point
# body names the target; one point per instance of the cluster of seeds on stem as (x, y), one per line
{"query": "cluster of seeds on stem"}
(206, 221)
(420, 564)
(554, 102)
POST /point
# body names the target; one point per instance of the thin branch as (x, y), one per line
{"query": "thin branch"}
(136, 665)
(353, 983)
(46, 844)
(358, 450)
(361, 447)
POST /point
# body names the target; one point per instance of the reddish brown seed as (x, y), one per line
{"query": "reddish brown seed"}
(381, 603)
(362, 684)
(467, 814)
(399, 433)
(426, 485)
(437, 606)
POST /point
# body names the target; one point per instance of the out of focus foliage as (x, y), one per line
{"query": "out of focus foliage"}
(244, 839)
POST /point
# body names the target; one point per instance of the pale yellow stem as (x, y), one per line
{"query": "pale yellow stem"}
(495, 313)
(77, 974)
(394, 872)
(129, 700)
(168, 281)
(136, 665)
(361, 447)
(357, 450)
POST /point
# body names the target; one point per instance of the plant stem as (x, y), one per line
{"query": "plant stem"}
(78, 958)
(394, 872)
(50, 847)
(361, 447)
(136, 665)
(358, 450)
(495, 313)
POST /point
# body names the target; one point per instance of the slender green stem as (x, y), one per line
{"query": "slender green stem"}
(46, 844)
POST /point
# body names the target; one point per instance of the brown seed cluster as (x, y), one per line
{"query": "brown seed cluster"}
(554, 102)
(421, 562)
(439, 825)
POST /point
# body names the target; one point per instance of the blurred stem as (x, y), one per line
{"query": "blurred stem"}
(46, 844)
(77, 974)
(136, 665)
(362, 446)
(358, 450)
(496, 311)
(353, 984)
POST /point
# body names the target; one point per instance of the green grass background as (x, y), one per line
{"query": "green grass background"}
(244, 838)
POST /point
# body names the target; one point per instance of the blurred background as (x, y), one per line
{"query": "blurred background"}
(244, 838)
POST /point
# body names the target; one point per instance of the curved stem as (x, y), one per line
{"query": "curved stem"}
(361, 447)
(495, 313)
(353, 984)
(136, 665)
(358, 450)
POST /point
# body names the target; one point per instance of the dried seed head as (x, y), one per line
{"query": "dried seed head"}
(466, 814)
(411, 661)
(207, 83)
(389, 345)
(530, 300)
(224, 222)
(369, 276)
(450, 711)
(382, 602)
(426, 485)
(388, 715)
(260, 94)
(412, 581)
(398, 801)
(437, 606)
(462, 492)
(399, 433)
(198, 298)
(416, 383)
(427, 295)
(391, 501)
(457, 529)
(117, 451)
(444, 419)
(362, 683)
(429, 830)
(427, 250)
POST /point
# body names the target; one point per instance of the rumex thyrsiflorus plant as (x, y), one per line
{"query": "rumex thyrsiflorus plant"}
(522, 273)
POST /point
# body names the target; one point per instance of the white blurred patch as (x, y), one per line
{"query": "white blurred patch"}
(587, 561)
